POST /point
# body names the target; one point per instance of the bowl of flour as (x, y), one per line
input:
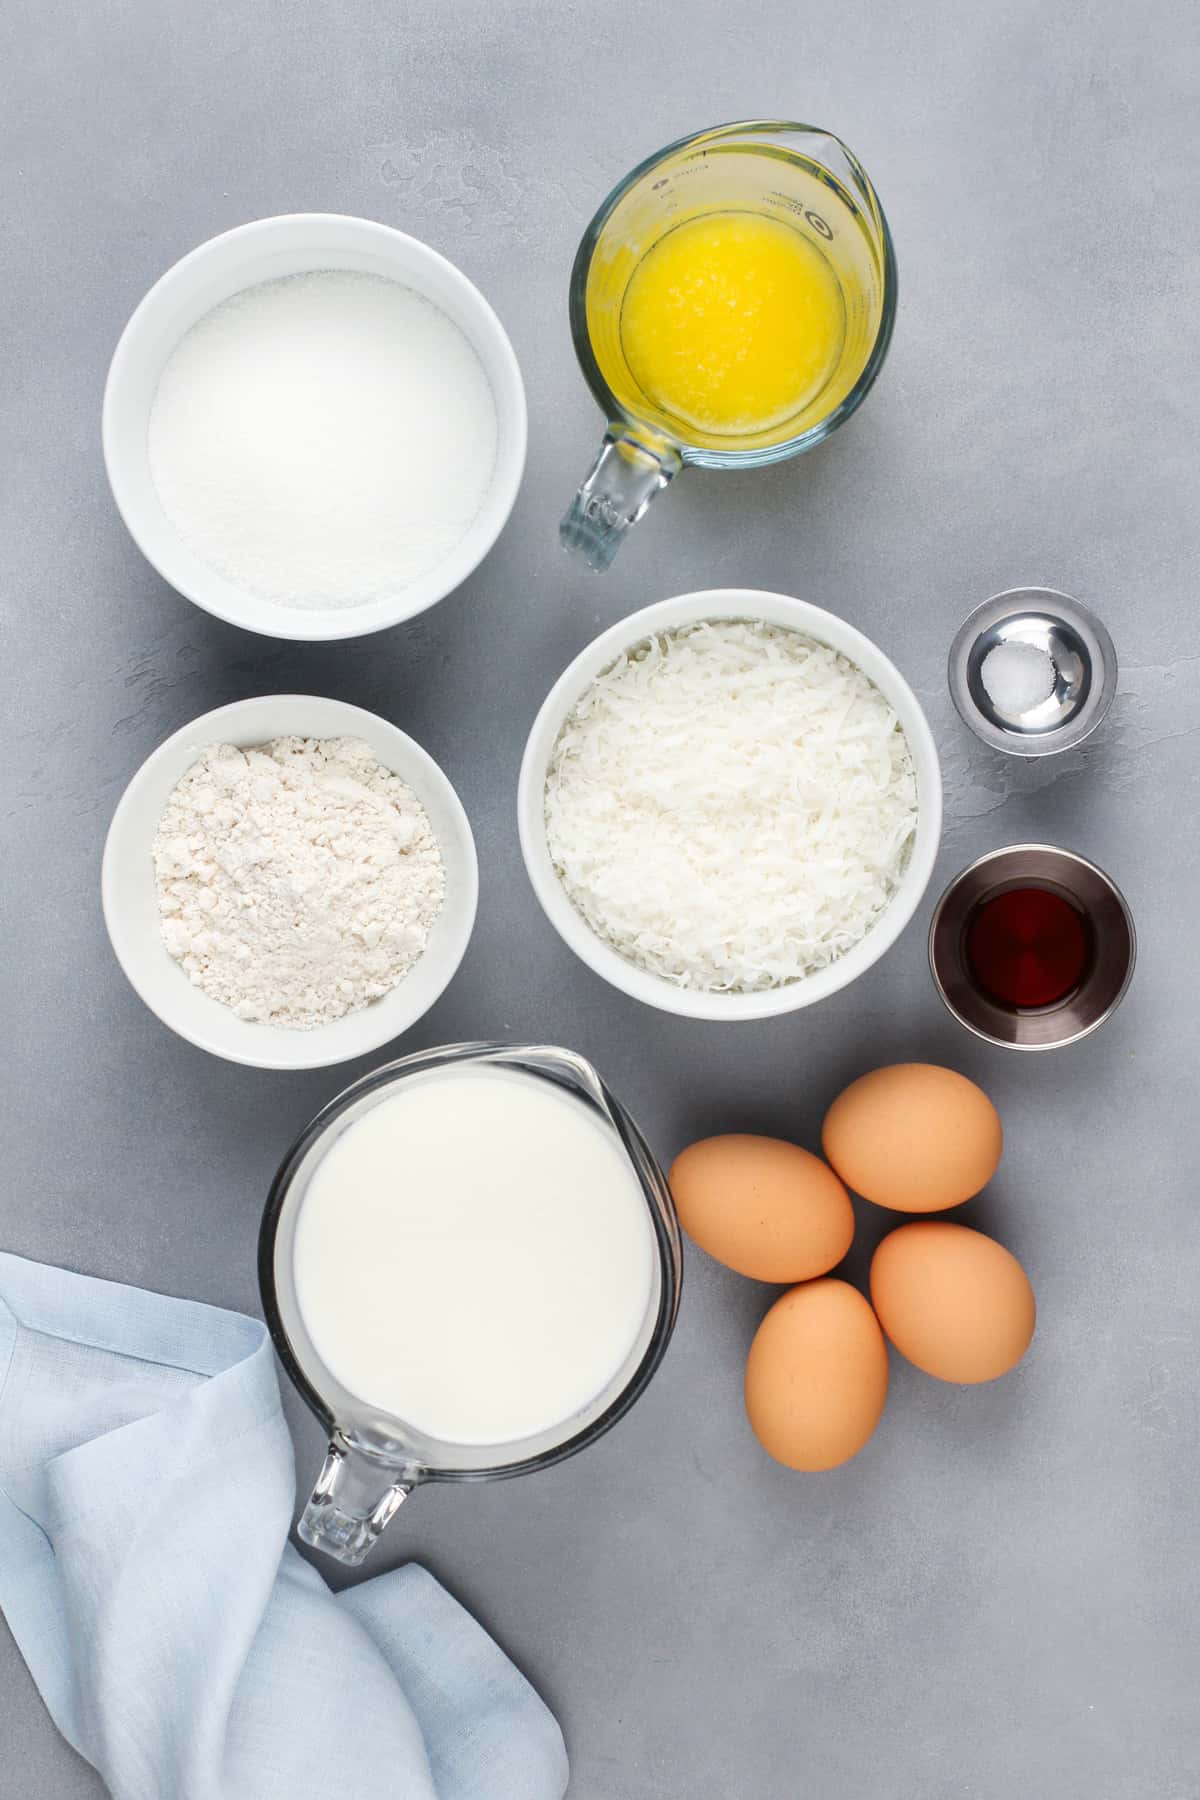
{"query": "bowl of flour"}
(314, 426)
(289, 882)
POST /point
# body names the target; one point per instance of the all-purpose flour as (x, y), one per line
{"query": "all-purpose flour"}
(297, 881)
(324, 439)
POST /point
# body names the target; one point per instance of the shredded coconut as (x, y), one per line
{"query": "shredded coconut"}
(731, 806)
(297, 881)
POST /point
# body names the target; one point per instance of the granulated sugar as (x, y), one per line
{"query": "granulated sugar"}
(323, 440)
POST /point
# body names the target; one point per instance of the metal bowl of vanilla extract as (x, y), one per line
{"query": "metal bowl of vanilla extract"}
(1032, 947)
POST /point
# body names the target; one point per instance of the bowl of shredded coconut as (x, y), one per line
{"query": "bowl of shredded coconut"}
(289, 882)
(730, 804)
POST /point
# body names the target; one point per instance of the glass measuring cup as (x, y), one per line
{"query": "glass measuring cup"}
(793, 174)
(375, 1459)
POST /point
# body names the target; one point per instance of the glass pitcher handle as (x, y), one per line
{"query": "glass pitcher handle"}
(625, 477)
(355, 1499)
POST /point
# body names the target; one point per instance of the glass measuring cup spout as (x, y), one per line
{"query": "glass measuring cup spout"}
(731, 304)
(375, 1457)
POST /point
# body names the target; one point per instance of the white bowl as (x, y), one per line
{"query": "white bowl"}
(262, 251)
(667, 615)
(131, 904)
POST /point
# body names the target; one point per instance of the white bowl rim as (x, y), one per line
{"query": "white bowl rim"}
(685, 609)
(207, 728)
(328, 624)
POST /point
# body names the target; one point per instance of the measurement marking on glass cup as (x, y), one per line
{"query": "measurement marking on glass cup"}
(819, 225)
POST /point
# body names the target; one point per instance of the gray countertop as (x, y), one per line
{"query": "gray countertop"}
(999, 1598)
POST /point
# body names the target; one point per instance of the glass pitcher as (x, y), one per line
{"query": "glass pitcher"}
(789, 174)
(374, 1460)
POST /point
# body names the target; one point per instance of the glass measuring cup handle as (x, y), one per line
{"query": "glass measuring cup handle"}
(625, 477)
(355, 1499)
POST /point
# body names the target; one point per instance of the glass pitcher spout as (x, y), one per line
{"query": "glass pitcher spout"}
(626, 476)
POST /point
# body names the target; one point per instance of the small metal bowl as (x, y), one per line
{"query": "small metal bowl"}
(1110, 970)
(1083, 658)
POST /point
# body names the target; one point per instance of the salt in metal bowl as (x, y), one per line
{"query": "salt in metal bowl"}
(1084, 664)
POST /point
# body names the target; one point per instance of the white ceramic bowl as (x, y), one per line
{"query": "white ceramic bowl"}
(666, 615)
(131, 906)
(292, 245)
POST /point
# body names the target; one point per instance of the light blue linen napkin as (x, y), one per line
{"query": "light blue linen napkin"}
(181, 1643)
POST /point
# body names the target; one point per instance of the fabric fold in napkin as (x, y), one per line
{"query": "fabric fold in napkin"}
(179, 1640)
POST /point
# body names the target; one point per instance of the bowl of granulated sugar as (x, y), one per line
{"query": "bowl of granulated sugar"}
(289, 882)
(314, 426)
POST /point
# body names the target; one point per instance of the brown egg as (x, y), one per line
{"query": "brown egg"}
(765, 1208)
(913, 1137)
(954, 1302)
(817, 1376)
